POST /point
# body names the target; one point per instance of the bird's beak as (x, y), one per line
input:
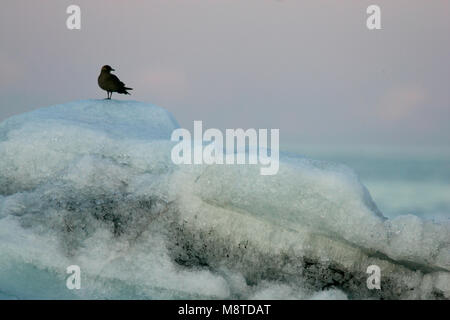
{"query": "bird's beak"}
(113, 69)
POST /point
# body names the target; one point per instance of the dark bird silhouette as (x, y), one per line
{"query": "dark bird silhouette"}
(110, 83)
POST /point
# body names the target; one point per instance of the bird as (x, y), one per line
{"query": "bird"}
(110, 83)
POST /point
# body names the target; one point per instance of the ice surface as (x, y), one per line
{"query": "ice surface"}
(92, 183)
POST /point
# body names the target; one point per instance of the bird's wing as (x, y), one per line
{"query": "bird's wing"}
(116, 80)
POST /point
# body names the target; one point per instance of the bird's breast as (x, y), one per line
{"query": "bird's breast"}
(103, 82)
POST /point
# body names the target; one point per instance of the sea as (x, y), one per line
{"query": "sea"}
(401, 179)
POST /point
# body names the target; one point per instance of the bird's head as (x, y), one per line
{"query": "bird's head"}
(107, 68)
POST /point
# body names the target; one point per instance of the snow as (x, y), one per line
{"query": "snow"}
(92, 183)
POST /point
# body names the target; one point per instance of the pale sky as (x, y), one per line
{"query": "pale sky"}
(310, 68)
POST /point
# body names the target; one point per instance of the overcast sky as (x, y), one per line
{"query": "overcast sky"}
(310, 68)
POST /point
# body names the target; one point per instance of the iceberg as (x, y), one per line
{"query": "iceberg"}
(91, 183)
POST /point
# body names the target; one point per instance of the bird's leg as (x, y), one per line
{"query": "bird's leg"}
(110, 95)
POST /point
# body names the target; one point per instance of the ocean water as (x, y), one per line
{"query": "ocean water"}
(401, 179)
(91, 183)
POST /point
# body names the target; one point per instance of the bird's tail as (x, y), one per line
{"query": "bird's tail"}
(124, 90)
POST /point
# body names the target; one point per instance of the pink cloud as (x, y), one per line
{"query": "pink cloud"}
(401, 102)
(11, 71)
(163, 82)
